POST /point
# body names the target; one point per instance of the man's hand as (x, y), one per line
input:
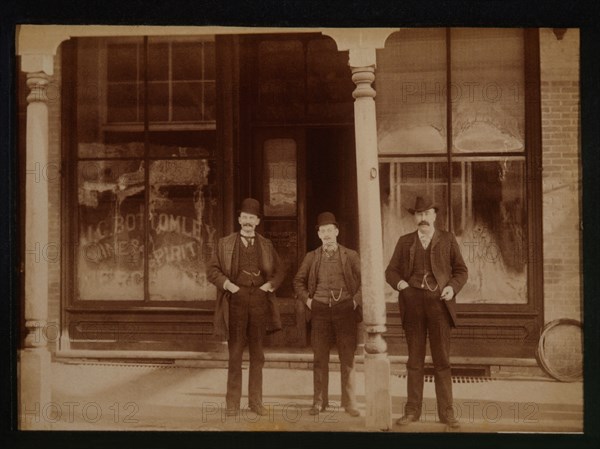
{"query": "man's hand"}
(447, 293)
(230, 286)
(266, 287)
(309, 303)
(402, 285)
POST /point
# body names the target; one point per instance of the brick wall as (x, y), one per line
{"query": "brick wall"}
(561, 181)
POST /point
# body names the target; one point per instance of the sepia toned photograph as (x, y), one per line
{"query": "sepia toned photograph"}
(299, 229)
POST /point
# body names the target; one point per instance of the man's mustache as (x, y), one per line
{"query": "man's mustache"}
(423, 222)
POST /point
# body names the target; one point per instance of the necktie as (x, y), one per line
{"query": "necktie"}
(329, 250)
(248, 240)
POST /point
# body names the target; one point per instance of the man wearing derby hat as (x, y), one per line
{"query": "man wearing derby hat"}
(246, 270)
(428, 270)
(328, 282)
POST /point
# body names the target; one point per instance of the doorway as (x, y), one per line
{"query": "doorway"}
(297, 173)
(331, 183)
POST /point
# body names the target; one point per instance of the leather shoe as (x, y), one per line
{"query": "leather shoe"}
(259, 409)
(405, 420)
(452, 425)
(231, 411)
(352, 411)
(314, 410)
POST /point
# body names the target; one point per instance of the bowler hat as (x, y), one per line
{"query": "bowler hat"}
(423, 203)
(326, 218)
(250, 206)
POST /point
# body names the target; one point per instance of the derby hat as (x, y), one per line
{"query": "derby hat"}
(250, 206)
(423, 203)
(326, 218)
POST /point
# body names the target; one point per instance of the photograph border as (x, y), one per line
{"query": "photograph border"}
(425, 13)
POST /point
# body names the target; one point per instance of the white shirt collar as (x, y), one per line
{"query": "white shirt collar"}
(425, 238)
(331, 247)
(425, 235)
(247, 239)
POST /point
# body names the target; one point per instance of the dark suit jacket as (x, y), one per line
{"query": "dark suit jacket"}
(305, 281)
(224, 265)
(447, 265)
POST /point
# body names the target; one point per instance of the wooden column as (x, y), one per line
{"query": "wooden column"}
(377, 365)
(35, 366)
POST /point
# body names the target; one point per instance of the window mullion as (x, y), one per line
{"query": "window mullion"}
(449, 128)
(137, 86)
(146, 221)
(203, 79)
(170, 82)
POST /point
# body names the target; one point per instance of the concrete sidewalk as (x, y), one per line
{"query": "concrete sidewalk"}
(126, 396)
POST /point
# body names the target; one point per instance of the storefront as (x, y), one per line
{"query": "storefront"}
(160, 134)
(163, 136)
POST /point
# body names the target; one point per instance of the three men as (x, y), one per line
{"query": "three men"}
(428, 270)
(328, 282)
(246, 270)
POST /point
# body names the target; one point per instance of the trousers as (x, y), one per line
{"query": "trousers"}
(333, 324)
(427, 315)
(247, 326)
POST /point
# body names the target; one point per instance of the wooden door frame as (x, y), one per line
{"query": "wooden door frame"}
(256, 168)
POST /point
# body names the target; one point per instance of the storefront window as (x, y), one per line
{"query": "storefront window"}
(411, 92)
(182, 234)
(478, 176)
(490, 224)
(146, 179)
(487, 90)
(123, 80)
(111, 230)
(180, 74)
(488, 218)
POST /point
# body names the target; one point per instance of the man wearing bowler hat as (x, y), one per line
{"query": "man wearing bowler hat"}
(328, 282)
(246, 270)
(428, 270)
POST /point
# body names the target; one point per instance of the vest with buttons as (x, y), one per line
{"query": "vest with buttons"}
(249, 273)
(330, 280)
(422, 266)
